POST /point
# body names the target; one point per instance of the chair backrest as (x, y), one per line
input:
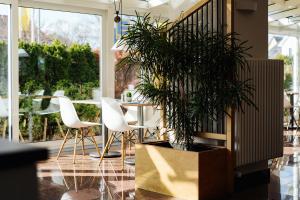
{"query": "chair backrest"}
(39, 92)
(57, 93)
(286, 101)
(96, 94)
(153, 119)
(68, 113)
(131, 114)
(3, 107)
(112, 115)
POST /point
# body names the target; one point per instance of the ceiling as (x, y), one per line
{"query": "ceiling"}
(139, 3)
(284, 16)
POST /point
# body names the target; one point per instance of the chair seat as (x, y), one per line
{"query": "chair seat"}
(132, 122)
(141, 126)
(84, 124)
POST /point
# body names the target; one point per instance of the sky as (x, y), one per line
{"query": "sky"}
(73, 25)
(4, 9)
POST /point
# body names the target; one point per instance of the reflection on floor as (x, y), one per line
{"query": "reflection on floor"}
(61, 180)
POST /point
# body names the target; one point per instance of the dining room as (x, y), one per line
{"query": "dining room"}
(140, 99)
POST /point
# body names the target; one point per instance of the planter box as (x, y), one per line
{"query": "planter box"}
(182, 174)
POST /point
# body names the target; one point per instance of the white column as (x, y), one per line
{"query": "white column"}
(296, 62)
(108, 68)
(14, 73)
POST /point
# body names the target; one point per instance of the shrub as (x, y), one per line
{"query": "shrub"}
(54, 67)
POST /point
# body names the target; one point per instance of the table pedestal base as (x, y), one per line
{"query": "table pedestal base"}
(129, 161)
(110, 154)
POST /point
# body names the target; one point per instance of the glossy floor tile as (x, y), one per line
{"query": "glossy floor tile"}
(85, 180)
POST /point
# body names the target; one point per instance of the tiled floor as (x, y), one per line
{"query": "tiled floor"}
(61, 180)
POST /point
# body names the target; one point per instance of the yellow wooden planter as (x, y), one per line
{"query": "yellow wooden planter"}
(182, 174)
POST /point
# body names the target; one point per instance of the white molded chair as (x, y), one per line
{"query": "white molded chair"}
(3, 108)
(287, 106)
(4, 114)
(114, 120)
(286, 101)
(52, 108)
(131, 115)
(36, 103)
(153, 124)
(97, 94)
(71, 120)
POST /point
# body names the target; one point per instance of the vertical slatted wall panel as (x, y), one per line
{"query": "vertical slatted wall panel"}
(259, 133)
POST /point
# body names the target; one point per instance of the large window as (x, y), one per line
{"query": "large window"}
(126, 75)
(4, 68)
(285, 48)
(59, 55)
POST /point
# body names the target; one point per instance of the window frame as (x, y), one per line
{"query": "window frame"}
(106, 75)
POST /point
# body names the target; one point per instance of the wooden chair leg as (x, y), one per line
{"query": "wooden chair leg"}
(82, 142)
(75, 146)
(45, 129)
(125, 143)
(129, 136)
(63, 144)
(122, 150)
(109, 141)
(21, 137)
(146, 133)
(158, 134)
(4, 129)
(96, 145)
(59, 127)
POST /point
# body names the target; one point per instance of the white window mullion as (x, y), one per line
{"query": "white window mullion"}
(14, 73)
(6, 2)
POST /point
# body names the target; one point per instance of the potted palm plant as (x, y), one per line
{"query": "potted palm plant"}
(193, 76)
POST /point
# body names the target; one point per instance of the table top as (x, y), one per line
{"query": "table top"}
(37, 96)
(136, 104)
(98, 102)
(87, 101)
(91, 101)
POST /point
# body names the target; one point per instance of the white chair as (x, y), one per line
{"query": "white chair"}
(52, 108)
(4, 114)
(97, 94)
(3, 108)
(71, 120)
(287, 107)
(153, 124)
(37, 102)
(114, 120)
(131, 115)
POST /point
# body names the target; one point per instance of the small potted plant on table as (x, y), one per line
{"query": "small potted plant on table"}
(128, 97)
